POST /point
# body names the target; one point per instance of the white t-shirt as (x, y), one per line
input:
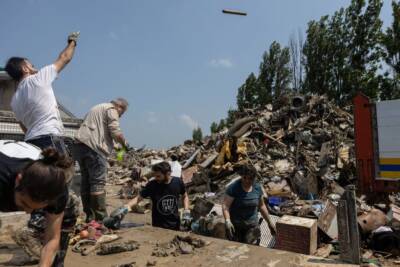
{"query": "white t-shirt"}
(35, 105)
(20, 150)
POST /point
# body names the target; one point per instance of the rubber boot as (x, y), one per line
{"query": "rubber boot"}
(98, 206)
(86, 207)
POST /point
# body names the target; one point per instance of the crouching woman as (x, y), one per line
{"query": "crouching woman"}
(30, 180)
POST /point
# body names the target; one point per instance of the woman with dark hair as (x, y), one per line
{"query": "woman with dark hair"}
(244, 198)
(31, 179)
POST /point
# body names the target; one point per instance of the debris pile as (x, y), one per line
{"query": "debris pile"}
(303, 150)
(179, 245)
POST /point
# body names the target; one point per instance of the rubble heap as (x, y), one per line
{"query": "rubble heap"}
(302, 148)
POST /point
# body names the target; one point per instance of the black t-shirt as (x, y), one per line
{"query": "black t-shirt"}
(165, 202)
(9, 168)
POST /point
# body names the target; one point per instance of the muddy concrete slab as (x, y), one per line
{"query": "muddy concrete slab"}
(217, 253)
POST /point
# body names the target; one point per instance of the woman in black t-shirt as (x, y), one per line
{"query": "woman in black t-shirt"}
(32, 179)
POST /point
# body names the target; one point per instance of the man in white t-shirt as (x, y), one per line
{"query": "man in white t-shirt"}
(34, 103)
(35, 107)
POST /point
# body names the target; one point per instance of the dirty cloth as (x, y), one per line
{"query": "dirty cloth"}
(113, 248)
(99, 128)
(179, 245)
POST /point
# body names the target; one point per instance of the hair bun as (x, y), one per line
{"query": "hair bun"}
(52, 157)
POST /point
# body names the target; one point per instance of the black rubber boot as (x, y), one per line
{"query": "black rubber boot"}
(86, 207)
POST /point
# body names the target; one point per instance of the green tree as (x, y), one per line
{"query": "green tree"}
(316, 53)
(391, 45)
(247, 96)
(231, 117)
(214, 127)
(275, 74)
(197, 134)
(342, 52)
(221, 125)
(365, 28)
(391, 40)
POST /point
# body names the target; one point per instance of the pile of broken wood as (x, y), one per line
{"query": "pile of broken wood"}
(301, 146)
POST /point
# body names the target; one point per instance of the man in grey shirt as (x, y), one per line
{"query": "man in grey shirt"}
(94, 143)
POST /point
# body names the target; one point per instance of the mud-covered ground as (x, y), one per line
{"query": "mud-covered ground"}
(217, 253)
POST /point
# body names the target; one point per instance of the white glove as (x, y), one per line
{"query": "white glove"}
(230, 229)
(73, 37)
(186, 218)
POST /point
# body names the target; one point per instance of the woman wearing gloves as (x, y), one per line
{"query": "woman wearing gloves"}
(243, 200)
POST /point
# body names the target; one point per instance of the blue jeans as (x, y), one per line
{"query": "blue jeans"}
(45, 141)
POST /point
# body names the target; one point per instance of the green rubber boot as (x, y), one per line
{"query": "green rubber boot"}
(98, 206)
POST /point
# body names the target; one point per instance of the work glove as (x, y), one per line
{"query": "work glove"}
(115, 218)
(230, 229)
(186, 218)
(120, 212)
(128, 147)
(73, 37)
(272, 228)
(120, 154)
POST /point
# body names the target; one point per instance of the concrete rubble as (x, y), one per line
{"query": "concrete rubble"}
(303, 150)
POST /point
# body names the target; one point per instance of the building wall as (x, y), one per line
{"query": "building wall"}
(7, 88)
(9, 127)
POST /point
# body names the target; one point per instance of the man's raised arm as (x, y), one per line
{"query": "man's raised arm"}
(66, 55)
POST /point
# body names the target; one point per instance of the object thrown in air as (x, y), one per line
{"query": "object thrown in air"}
(234, 12)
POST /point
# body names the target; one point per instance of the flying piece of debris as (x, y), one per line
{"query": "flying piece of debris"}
(234, 12)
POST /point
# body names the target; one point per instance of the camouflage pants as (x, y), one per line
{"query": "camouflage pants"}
(37, 225)
(247, 233)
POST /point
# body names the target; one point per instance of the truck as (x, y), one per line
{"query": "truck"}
(377, 144)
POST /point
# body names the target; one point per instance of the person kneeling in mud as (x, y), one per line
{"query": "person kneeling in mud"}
(31, 179)
(243, 200)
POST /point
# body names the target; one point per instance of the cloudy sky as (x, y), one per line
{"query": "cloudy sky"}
(178, 62)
